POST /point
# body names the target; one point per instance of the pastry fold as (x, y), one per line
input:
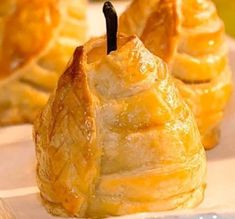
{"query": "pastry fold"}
(190, 37)
(116, 137)
(37, 39)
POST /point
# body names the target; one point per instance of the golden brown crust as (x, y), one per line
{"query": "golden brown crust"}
(190, 36)
(174, 28)
(163, 25)
(73, 84)
(116, 138)
(34, 49)
(208, 116)
(18, 47)
(131, 17)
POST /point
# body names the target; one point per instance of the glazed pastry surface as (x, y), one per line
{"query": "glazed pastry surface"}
(116, 137)
(190, 37)
(37, 39)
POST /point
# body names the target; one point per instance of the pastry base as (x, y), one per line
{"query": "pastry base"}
(189, 200)
(54, 209)
(182, 201)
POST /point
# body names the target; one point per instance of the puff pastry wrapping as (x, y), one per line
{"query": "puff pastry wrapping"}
(37, 39)
(190, 37)
(116, 137)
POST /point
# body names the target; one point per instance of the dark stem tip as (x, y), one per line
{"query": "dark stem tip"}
(108, 6)
(108, 9)
(111, 26)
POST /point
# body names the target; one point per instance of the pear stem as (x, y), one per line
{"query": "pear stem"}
(111, 26)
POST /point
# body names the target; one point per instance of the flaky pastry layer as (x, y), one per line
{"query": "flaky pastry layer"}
(116, 137)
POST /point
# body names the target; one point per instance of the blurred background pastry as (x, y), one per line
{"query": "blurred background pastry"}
(190, 37)
(37, 39)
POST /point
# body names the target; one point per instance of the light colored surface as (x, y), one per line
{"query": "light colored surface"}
(17, 160)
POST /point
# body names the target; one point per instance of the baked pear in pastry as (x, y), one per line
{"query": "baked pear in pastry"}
(37, 38)
(116, 137)
(190, 37)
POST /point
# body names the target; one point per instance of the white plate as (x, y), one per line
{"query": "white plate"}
(17, 161)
